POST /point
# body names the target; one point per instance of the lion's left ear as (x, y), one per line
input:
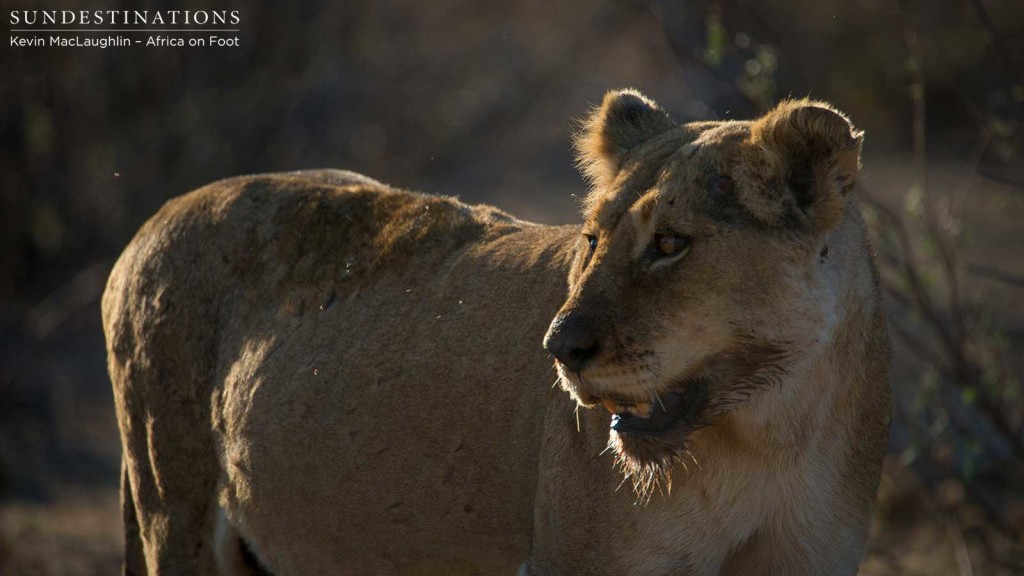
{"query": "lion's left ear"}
(813, 150)
(625, 120)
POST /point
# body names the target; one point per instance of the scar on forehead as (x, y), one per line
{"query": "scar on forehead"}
(689, 150)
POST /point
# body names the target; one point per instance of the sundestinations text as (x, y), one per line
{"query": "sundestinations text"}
(124, 17)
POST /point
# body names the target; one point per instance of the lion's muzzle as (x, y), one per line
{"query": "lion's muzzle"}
(573, 339)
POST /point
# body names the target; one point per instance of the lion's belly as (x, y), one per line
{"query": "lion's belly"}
(376, 437)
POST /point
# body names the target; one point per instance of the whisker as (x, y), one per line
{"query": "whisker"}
(651, 391)
(621, 483)
(690, 454)
(654, 393)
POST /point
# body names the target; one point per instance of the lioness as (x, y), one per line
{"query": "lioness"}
(318, 374)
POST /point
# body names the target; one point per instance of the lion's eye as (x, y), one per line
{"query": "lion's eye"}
(591, 241)
(671, 245)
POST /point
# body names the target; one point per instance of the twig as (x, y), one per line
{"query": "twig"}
(960, 552)
(1016, 185)
(996, 274)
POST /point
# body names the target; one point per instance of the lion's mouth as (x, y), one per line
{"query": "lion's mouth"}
(649, 435)
(650, 438)
(680, 408)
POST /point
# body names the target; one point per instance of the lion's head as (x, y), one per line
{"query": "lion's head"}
(696, 281)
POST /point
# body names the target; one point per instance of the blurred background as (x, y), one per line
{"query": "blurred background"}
(476, 99)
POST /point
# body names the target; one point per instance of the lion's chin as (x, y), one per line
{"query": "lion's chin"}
(650, 442)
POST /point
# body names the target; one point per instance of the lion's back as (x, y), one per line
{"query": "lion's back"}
(272, 232)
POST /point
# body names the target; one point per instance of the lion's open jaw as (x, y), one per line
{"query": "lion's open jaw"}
(649, 439)
(666, 411)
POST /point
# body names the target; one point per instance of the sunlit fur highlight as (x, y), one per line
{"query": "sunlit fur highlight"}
(625, 119)
(803, 130)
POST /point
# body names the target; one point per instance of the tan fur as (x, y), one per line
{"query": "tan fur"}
(350, 379)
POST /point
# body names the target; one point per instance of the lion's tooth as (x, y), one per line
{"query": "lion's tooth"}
(640, 409)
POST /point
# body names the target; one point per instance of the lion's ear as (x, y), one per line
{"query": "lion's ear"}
(813, 150)
(626, 119)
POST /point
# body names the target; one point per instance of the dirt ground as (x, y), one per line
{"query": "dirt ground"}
(77, 533)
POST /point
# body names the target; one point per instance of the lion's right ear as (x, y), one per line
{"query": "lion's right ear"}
(626, 119)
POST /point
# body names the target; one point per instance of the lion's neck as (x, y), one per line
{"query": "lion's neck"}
(805, 412)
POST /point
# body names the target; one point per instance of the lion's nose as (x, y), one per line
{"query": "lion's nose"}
(573, 340)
